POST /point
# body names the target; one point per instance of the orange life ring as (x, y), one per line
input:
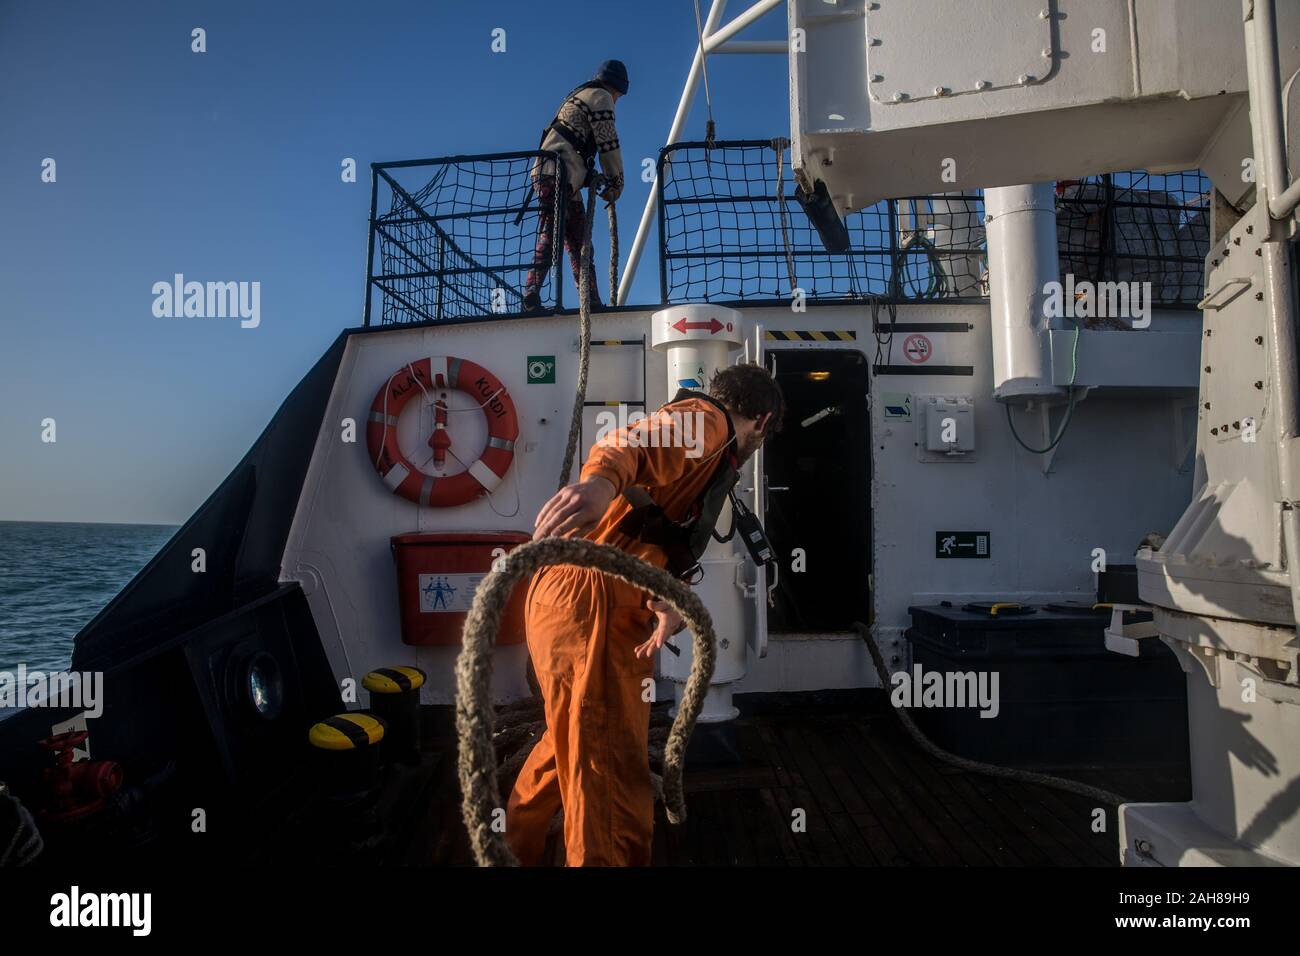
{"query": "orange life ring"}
(442, 371)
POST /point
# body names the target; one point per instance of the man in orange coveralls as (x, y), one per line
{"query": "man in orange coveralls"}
(590, 635)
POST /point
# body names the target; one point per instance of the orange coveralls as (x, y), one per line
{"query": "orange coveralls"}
(582, 627)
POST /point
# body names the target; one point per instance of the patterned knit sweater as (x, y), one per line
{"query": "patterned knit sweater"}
(588, 116)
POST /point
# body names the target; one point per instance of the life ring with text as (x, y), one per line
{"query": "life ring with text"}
(417, 378)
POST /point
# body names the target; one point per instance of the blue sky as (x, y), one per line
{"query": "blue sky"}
(225, 166)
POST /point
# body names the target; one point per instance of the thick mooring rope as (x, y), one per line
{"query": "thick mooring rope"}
(975, 766)
(584, 341)
(613, 253)
(475, 719)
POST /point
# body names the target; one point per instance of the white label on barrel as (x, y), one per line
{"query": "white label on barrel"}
(448, 593)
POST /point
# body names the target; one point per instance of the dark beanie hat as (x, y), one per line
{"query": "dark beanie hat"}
(614, 73)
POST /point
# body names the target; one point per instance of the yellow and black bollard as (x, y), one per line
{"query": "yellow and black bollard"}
(345, 754)
(395, 698)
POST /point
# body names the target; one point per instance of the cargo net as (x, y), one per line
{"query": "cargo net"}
(1136, 227)
(457, 238)
(731, 229)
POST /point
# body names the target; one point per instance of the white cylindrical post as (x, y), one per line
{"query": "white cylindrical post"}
(1020, 222)
(697, 341)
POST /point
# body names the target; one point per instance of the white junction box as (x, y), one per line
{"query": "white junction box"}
(947, 428)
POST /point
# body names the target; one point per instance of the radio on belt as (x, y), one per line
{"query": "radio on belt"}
(751, 531)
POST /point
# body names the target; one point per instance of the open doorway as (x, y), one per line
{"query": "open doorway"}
(818, 470)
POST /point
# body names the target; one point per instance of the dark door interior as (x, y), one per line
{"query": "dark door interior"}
(819, 490)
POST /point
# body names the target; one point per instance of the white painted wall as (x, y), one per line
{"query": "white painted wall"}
(1114, 478)
(339, 544)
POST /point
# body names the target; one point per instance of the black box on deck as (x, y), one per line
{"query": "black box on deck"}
(1063, 698)
(1118, 584)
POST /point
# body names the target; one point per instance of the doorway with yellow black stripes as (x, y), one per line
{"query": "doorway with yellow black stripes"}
(818, 477)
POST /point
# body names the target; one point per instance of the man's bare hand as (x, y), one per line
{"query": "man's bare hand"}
(574, 509)
(667, 623)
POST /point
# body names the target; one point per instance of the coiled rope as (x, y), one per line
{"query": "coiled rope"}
(974, 766)
(475, 720)
(20, 841)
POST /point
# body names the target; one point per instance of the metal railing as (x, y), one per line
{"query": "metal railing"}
(1137, 227)
(458, 238)
(730, 230)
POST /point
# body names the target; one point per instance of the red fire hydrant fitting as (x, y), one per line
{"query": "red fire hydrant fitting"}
(75, 790)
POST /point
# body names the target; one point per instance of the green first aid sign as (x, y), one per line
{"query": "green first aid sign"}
(541, 370)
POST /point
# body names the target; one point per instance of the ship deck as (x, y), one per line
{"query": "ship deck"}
(872, 798)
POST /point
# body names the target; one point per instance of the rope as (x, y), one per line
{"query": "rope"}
(476, 761)
(884, 340)
(780, 146)
(974, 766)
(709, 129)
(584, 340)
(613, 253)
(20, 841)
(475, 718)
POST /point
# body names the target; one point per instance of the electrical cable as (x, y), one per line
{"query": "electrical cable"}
(884, 342)
(1069, 409)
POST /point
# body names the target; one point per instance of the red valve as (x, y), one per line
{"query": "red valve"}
(76, 789)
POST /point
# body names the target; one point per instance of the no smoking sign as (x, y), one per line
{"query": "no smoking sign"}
(917, 349)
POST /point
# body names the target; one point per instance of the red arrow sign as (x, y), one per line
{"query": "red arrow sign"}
(713, 325)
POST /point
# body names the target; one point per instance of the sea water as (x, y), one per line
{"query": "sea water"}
(55, 577)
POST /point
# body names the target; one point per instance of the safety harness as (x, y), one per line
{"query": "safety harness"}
(684, 541)
(584, 146)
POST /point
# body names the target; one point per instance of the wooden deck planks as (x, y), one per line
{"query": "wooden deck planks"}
(869, 797)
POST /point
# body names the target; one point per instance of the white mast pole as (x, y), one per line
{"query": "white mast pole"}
(679, 120)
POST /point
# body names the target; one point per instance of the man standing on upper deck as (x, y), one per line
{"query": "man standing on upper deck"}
(582, 130)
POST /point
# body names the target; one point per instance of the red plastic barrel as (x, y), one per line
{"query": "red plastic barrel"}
(437, 574)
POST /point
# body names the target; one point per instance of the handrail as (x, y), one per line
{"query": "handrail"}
(1149, 233)
(1283, 195)
(438, 276)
